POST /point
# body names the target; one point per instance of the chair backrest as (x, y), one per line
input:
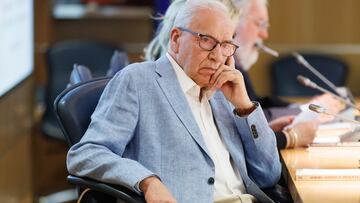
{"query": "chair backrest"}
(285, 70)
(60, 60)
(75, 105)
(73, 109)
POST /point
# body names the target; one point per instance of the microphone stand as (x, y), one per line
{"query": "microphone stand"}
(308, 83)
(266, 49)
(300, 59)
(320, 109)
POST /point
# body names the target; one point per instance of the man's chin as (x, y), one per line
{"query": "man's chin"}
(204, 85)
(204, 81)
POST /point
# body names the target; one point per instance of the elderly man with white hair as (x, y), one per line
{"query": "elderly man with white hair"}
(182, 128)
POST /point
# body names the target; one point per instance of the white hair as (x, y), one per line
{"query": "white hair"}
(244, 6)
(158, 46)
(183, 11)
(189, 10)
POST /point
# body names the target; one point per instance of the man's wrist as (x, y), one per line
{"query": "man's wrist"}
(245, 111)
(144, 184)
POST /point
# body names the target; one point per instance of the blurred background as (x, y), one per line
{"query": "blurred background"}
(39, 40)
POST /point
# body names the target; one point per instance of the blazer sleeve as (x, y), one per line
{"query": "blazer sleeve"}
(262, 158)
(99, 154)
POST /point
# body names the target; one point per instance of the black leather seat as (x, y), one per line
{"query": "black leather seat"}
(74, 107)
(61, 58)
(285, 70)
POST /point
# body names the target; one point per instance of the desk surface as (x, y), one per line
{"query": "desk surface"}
(322, 158)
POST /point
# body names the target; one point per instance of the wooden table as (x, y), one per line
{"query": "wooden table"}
(322, 158)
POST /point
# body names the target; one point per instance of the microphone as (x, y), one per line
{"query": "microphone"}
(266, 49)
(308, 83)
(320, 109)
(301, 60)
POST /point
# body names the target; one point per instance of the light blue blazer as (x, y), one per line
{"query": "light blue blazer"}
(144, 126)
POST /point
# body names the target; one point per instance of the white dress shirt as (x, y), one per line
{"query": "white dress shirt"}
(228, 181)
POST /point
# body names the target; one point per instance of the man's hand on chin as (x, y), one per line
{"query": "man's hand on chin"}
(155, 191)
(231, 82)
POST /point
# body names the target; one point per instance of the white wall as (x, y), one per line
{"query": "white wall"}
(16, 42)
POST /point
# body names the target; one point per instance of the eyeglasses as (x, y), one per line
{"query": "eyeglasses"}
(209, 43)
(262, 24)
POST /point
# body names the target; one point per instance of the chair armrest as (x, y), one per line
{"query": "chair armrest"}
(278, 194)
(117, 191)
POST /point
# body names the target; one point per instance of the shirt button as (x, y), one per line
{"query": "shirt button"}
(211, 181)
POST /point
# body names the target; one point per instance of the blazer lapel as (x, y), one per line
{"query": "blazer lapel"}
(170, 86)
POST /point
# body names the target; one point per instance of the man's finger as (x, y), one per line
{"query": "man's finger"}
(230, 61)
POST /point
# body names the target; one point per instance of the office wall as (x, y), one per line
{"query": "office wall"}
(16, 105)
(15, 149)
(325, 26)
(131, 32)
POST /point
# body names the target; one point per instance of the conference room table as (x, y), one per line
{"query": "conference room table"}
(318, 191)
(308, 191)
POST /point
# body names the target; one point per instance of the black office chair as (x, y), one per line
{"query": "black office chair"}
(73, 108)
(285, 70)
(61, 58)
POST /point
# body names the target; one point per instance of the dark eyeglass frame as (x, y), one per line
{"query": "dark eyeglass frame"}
(199, 35)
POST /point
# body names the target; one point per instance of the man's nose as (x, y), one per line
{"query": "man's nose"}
(264, 33)
(216, 54)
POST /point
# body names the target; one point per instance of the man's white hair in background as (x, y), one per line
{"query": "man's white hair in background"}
(251, 29)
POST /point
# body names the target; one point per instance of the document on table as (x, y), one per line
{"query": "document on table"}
(352, 174)
(334, 132)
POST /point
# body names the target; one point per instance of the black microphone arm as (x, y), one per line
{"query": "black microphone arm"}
(308, 83)
(301, 60)
(320, 109)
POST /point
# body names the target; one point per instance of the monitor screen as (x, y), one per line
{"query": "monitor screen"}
(16, 42)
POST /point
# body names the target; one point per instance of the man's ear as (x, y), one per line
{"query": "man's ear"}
(174, 40)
